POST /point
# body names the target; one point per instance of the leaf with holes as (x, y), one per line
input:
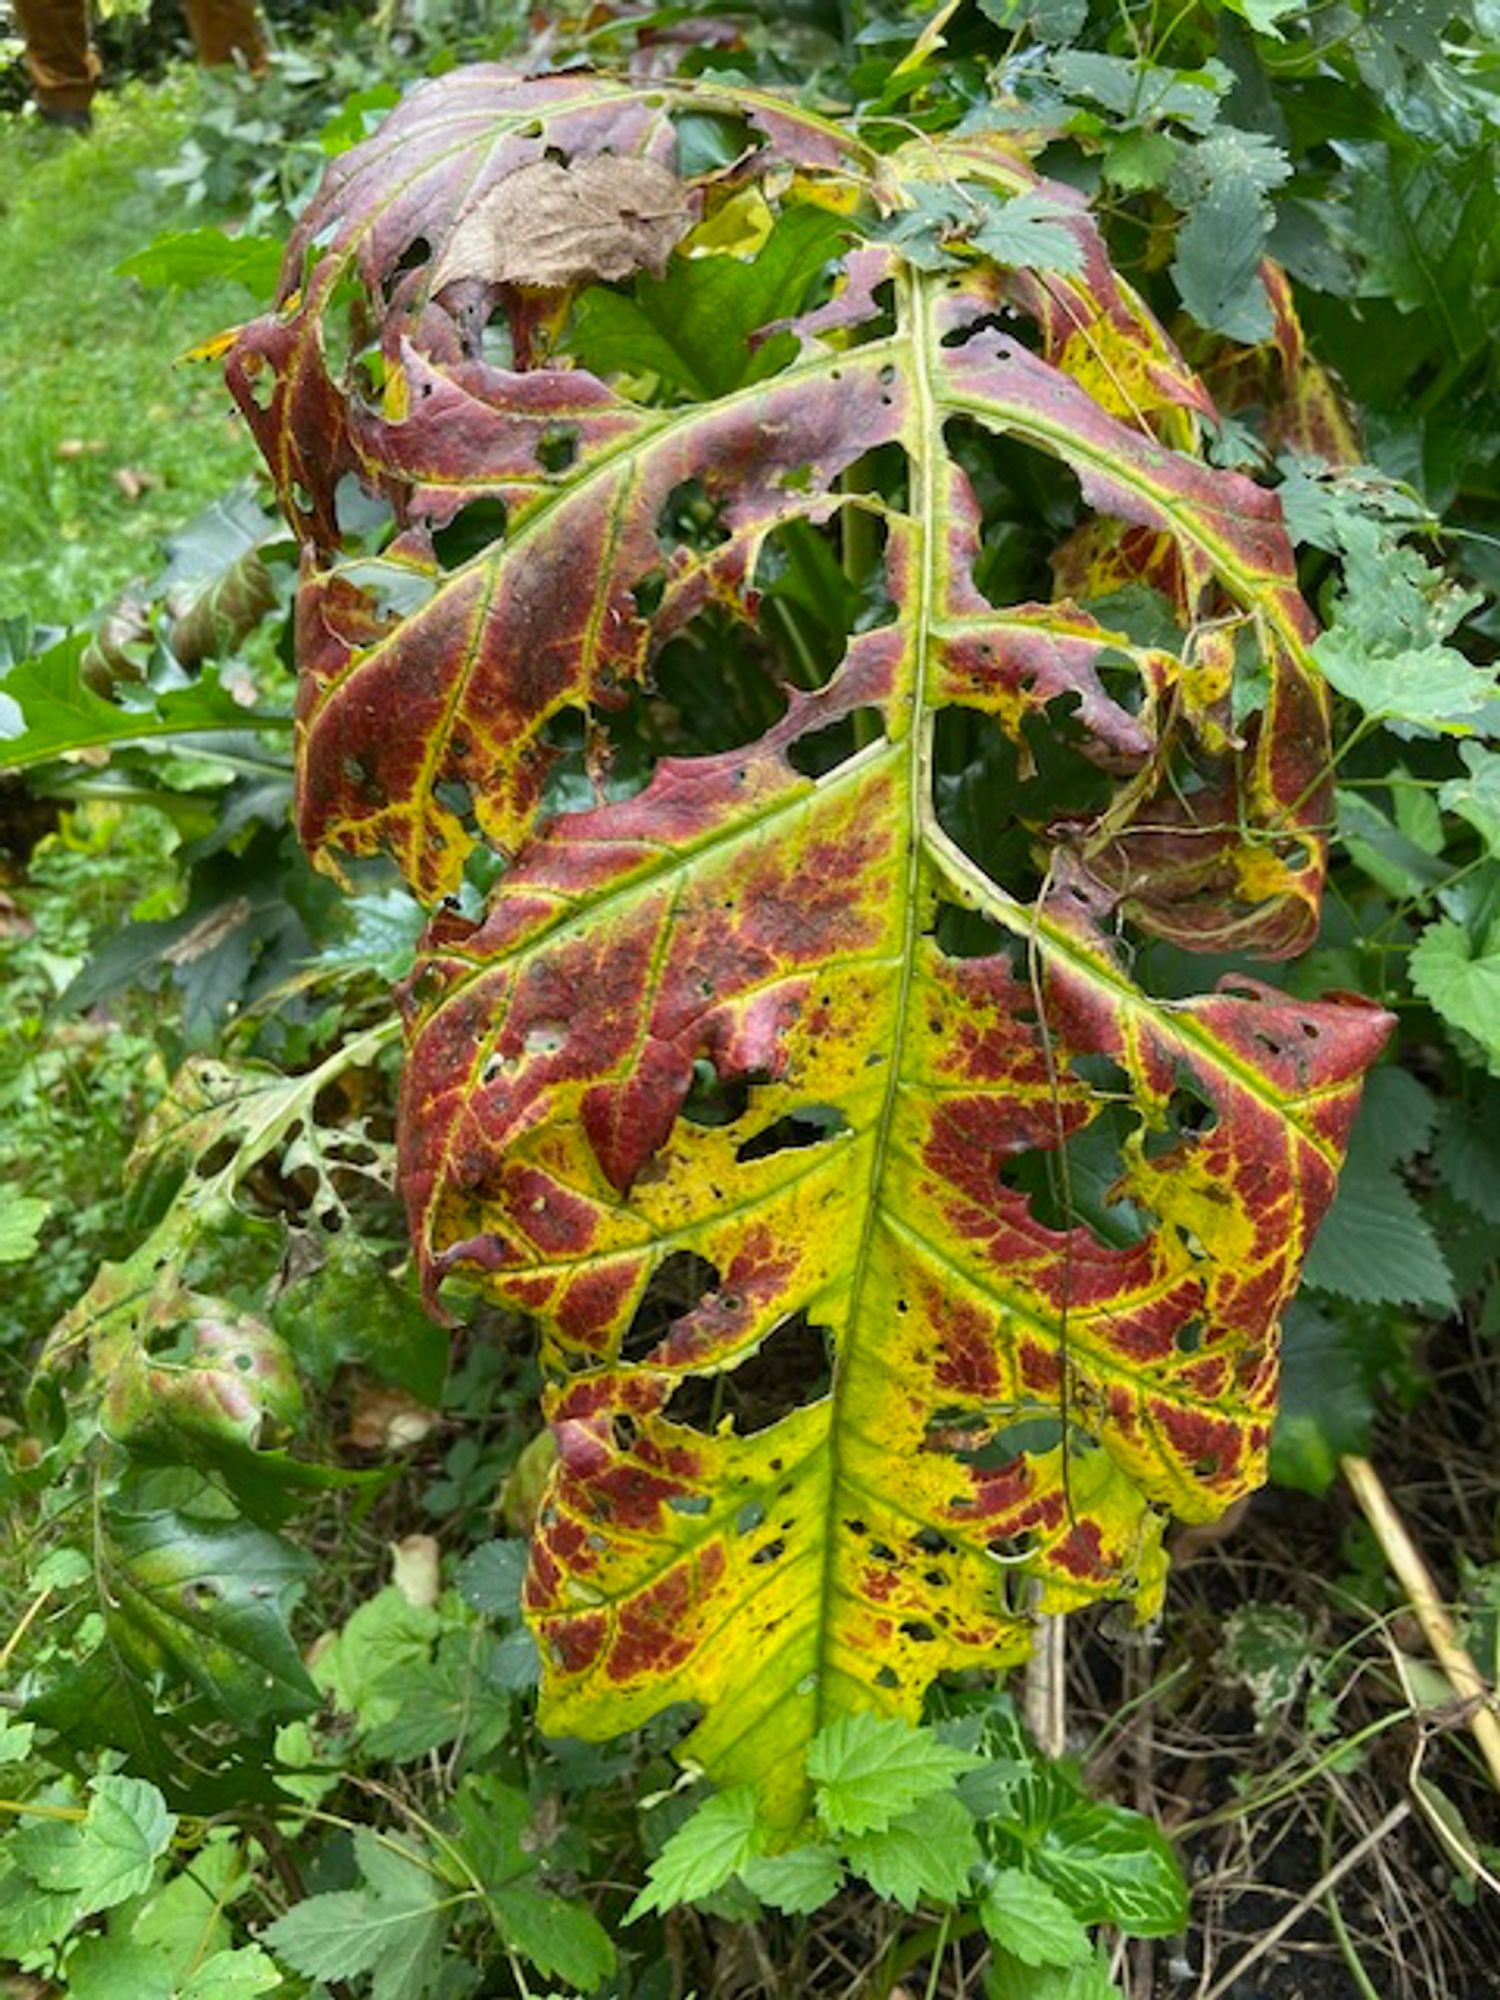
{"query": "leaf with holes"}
(902, 1264)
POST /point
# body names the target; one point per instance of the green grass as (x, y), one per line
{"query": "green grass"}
(90, 383)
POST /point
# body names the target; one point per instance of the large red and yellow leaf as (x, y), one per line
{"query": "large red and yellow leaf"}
(902, 1264)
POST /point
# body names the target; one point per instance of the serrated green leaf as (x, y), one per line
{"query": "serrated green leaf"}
(392, 1929)
(228, 1974)
(1466, 1152)
(1217, 264)
(31, 1919)
(563, 1940)
(1029, 232)
(928, 1852)
(16, 1739)
(1048, 20)
(183, 1921)
(333, 1936)
(490, 1578)
(1396, 1117)
(1031, 1921)
(1265, 16)
(126, 1830)
(1475, 797)
(1011, 1978)
(798, 1882)
(108, 1856)
(1434, 690)
(383, 1638)
(414, 1902)
(1142, 92)
(430, 1707)
(108, 1968)
(1026, 231)
(1461, 980)
(1375, 1244)
(703, 1853)
(1137, 160)
(1424, 226)
(1327, 1407)
(871, 1769)
(492, 1817)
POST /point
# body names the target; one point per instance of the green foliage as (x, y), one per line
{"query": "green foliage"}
(103, 446)
(870, 1771)
(1019, 1842)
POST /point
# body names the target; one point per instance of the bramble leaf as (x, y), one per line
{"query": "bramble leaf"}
(108, 1856)
(393, 1927)
(1460, 979)
(760, 1075)
(1011, 1978)
(927, 1852)
(798, 1882)
(1377, 1245)
(1031, 1921)
(870, 1770)
(705, 1851)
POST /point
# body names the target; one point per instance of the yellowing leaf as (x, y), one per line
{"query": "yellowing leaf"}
(968, 1272)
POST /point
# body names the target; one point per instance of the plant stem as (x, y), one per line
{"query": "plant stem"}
(1412, 1573)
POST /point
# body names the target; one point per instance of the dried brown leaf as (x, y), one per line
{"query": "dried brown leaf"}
(553, 225)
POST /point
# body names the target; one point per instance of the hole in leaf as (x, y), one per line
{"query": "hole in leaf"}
(977, 1440)
(791, 1368)
(807, 1127)
(718, 686)
(497, 341)
(689, 517)
(1012, 1548)
(716, 1100)
(417, 253)
(823, 750)
(678, 1284)
(708, 141)
(472, 530)
(648, 592)
(1188, 1114)
(1076, 1188)
(558, 447)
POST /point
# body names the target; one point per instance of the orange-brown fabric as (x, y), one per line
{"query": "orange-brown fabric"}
(64, 69)
(60, 59)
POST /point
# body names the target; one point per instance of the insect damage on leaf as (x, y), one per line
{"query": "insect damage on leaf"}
(902, 1264)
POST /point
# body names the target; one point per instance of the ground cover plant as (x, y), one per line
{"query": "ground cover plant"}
(85, 504)
(919, 766)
